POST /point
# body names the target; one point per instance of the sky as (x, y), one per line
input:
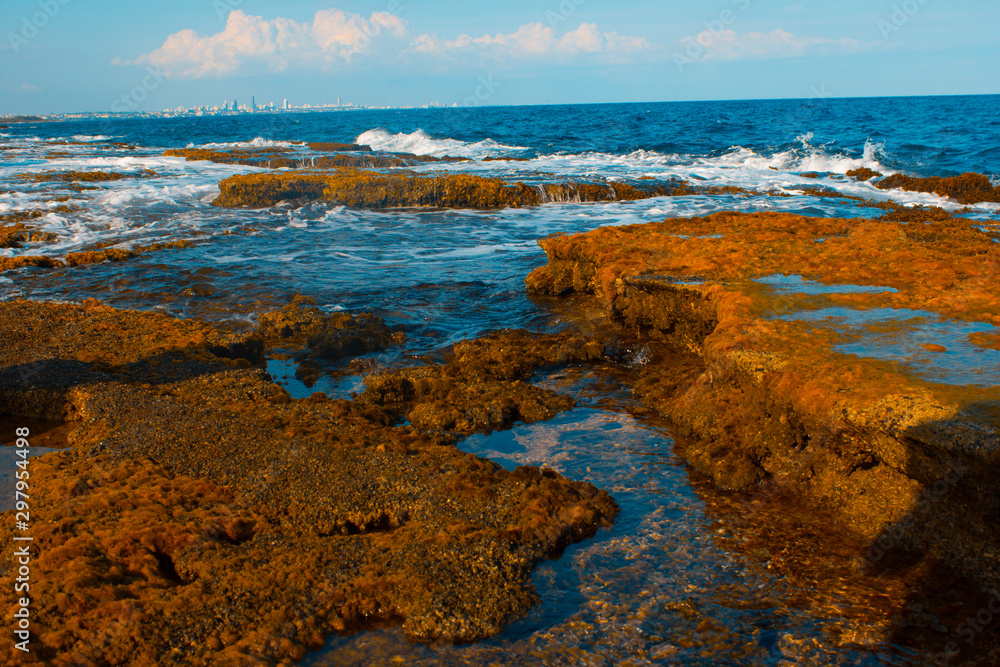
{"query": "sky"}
(61, 56)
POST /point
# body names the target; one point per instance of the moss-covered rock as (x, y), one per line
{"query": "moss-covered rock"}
(968, 188)
(203, 516)
(760, 399)
(366, 189)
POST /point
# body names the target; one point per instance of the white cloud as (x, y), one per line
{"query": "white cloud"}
(730, 45)
(334, 37)
(533, 40)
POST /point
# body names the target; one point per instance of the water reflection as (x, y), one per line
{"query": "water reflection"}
(688, 575)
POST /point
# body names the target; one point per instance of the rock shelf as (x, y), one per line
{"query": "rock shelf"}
(761, 397)
(203, 516)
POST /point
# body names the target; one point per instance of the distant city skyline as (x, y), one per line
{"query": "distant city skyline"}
(61, 56)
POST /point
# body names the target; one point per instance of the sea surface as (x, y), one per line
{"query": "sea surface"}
(688, 575)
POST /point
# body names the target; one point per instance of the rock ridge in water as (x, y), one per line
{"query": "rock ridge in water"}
(368, 189)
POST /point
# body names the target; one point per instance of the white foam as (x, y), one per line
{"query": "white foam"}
(88, 137)
(479, 251)
(780, 172)
(257, 142)
(421, 143)
(230, 259)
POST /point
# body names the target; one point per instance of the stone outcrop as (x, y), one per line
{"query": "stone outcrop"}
(203, 516)
(758, 392)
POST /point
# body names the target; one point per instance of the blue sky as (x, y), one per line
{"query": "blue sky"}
(95, 55)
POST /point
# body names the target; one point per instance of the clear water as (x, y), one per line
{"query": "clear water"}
(901, 335)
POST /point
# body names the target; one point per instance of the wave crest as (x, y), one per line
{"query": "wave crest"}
(421, 143)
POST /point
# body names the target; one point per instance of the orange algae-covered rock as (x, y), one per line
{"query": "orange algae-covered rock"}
(86, 257)
(366, 189)
(863, 174)
(282, 157)
(331, 147)
(968, 188)
(755, 398)
(205, 517)
(483, 388)
(85, 176)
(989, 341)
(40, 261)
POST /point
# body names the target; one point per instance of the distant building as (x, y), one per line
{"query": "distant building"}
(286, 103)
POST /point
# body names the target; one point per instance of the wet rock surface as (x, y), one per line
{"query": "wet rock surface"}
(967, 188)
(281, 157)
(97, 256)
(759, 395)
(203, 516)
(485, 387)
(369, 189)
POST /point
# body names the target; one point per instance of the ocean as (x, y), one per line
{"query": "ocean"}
(688, 575)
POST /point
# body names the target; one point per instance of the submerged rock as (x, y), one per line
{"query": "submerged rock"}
(332, 147)
(760, 395)
(101, 254)
(282, 157)
(203, 516)
(85, 176)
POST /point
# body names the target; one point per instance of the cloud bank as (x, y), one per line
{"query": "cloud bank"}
(335, 38)
(730, 45)
(533, 40)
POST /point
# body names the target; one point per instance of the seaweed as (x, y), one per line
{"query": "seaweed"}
(968, 188)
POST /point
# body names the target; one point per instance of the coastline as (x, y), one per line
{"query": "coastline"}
(193, 481)
(820, 387)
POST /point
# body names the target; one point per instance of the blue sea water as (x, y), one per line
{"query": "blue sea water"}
(447, 275)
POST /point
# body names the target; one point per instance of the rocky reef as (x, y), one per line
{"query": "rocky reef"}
(101, 253)
(863, 174)
(201, 515)
(755, 324)
(85, 176)
(282, 157)
(368, 189)
(968, 188)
